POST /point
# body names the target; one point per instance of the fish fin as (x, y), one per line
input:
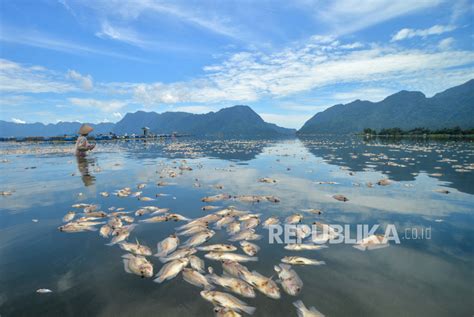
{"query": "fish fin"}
(314, 310)
(125, 266)
(110, 244)
(163, 259)
(285, 266)
(248, 309)
(159, 279)
(253, 258)
(300, 308)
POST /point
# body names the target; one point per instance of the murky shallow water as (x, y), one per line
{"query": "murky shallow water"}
(416, 278)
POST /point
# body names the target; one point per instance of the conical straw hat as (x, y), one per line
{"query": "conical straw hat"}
(85, 129)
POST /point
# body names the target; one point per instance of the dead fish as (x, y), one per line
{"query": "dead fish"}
(43, 291)
(155, 219)
(248, 234)
(141, 186)
(442, 191)
(233, 268)
(384, 182)
(225, 312)
(105, 231)
(265, 285)
(82, 205)
(224, 221)
(159, 211)
(205, 208)
(267, 180)
(178, 254)
(115, 222)
(104, 194)
(145, 198)
(216, 198)
(271, 222)
(99, 214)
(372, 242)
(227, 301)
(197, 279)
(196, 263)
(177, 217)
(340, 198)
(73, 227)
(293, 219)
(313, 211)
(69, 216)
(90, 208)
(249, 248)
(135, 248)
(299, 260)
(272, 199)
(248, 198)
(233, 227)
(171, 269)
(250, 223)
(127, 218)
(121, 234)
(221, 256)
(302, 311)
(303, 246)
(199, 238)
(167, 246)
(218, 248)
(136, 264)
(289, 280)
(193, 230)
(232, 284)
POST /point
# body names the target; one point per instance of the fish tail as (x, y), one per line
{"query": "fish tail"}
(159, 279)
(253, 258)
(248, 309)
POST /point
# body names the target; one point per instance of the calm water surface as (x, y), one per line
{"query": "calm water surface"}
(419, 277)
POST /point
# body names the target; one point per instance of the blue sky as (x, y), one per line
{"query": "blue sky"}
(97, 60)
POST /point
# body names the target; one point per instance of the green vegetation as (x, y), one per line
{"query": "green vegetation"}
(397, 132)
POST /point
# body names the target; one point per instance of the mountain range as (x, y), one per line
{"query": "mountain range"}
(236, 121)
(405, 109)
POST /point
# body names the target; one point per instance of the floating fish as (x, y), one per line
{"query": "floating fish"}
(178, 254)
(303, 246)
(227, 301)
(196, 278)
(265, 285)
(372, 242)
(293, 219)
(43, 291)
(69, 216)
(232, 284)
(218, 248)
(289, 280)
(249, 248)
(340, 198)
(167, 246)
(196, 263)
(135, 248)
(214, 198)
(136, 264)
(171, 269)
(302, 311)
(299, 260)
(220, 256)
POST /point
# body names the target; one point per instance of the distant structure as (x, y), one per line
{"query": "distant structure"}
(145, 131)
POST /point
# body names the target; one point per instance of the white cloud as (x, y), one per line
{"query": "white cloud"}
(15, 120)
(117, 115)
(446, 43)
(102, 105)
(410, 33)
(18, 78)
(295, 121)
(347, 16)
(85, 80)
(371, 94)
(250, 76)
(194, 109)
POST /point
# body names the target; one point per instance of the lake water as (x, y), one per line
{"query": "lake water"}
(418, 277)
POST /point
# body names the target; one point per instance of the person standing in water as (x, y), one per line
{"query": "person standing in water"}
(82, 145)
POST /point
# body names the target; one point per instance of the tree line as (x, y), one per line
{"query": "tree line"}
(418, 131)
